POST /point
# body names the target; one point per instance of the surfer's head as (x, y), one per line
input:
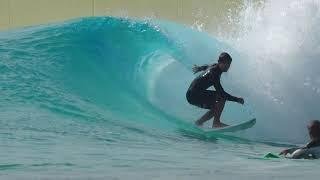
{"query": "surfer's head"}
(224, 61)
(314, 129)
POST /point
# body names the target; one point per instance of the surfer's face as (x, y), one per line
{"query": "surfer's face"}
(314, 129)
(224, 66)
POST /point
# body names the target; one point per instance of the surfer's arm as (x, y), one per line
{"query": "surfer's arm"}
(289, 151)
(220, 91)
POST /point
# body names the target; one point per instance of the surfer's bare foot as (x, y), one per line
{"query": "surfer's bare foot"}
(219, 125)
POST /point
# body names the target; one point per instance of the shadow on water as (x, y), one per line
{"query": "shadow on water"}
(4, 167)
(198, 133)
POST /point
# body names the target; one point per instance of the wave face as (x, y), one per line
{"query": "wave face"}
(124, 72)
(127, 70)
(135, 72)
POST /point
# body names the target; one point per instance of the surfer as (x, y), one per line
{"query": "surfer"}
(312, 149)
(199, 95)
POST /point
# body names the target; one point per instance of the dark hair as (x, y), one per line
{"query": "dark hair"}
(224, 57)
(314, 128)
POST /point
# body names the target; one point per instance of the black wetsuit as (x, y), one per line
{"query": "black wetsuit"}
(312, 144)
(198, 94)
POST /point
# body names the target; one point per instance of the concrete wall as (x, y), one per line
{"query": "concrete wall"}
(17, 13)
(4, 14)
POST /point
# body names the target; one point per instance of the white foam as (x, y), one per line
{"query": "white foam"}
(280, 42)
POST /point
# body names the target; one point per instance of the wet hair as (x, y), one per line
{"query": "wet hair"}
(314, 128)
(225, 57)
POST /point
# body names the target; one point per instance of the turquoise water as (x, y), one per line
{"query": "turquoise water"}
(104, 98)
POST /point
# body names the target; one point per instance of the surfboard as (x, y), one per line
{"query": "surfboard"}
(233, 128)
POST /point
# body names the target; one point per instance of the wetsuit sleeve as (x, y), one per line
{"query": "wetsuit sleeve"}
(220, 90)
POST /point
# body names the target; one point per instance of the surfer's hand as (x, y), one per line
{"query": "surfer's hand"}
(241, 100)
(284, 152)
(195, 69)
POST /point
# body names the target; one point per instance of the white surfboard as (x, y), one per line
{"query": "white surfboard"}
(233, 128)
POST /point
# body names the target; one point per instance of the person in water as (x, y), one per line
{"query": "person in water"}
(199, 95)
(312, 149)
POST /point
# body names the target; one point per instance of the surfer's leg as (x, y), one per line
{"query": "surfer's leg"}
(207, 116)
(217, 111)
(205, 100)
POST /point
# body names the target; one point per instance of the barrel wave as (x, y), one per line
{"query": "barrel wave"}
(122, 71)
(104, 93)
(109, 69)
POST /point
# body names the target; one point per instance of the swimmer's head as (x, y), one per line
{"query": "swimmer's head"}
(314, 129)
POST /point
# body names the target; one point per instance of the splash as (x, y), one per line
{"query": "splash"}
(279, 43)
